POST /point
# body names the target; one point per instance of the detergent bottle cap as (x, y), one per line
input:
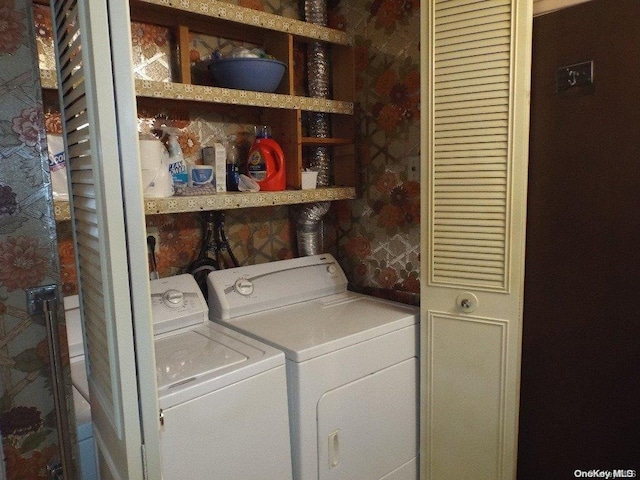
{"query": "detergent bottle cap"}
(263, 131)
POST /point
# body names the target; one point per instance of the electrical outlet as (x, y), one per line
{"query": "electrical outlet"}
(413, 169)
(153, 232)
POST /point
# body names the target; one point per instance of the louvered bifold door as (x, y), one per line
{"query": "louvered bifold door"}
(93, 141)
(475, 74)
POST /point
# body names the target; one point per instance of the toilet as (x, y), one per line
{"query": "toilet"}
(82, 408)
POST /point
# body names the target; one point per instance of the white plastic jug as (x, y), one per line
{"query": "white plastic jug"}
(154, 161)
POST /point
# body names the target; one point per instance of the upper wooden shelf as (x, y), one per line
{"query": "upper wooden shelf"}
(228, 12)
(202, 93)
(229, 201)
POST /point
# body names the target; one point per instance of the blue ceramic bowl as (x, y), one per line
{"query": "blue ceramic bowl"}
(257, 74)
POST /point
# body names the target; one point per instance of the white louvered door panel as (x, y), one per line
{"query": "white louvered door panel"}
(468, 221)
(476, 60)
(108, 220)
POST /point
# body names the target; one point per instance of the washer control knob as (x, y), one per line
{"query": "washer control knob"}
(332, 269)
(173, 298)
(244, 287)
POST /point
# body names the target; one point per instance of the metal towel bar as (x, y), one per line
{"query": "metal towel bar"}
(42, 305)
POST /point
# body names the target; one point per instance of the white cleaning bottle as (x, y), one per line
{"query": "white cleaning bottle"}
(177, 165)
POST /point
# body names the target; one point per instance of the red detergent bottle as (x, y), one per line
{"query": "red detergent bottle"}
(265, 164)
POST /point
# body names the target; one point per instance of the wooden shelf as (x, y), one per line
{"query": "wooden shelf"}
(213, 10)
(311, 141)
(228, 96)
(61, 211)
(48, 79)
(229, 201)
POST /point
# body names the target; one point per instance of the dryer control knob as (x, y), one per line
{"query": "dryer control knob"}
(244, 286)
(332, 269)
(173, 298)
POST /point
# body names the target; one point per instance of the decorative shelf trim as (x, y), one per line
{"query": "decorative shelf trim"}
(48, 79)
(256, 18)
(202, 93)
(228, 201)
(61, 211)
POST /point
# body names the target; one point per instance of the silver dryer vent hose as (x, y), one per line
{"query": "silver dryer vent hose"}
(308, 225)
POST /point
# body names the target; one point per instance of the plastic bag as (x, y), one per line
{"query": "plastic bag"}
(247, 184)
(58, 167)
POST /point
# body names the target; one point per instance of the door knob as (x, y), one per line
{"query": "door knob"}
(467, 302)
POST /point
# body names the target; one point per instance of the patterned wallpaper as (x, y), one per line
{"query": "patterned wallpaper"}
(28, 255)
(378, 235)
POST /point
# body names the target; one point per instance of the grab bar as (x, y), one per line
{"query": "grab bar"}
(42, 305)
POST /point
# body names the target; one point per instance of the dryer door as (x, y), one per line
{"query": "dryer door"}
(369, 428)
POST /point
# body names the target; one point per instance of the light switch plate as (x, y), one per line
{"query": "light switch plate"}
(577, 75)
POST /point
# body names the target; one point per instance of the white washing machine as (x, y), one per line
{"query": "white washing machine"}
(80, 390)
(352, 365)
(222, 395)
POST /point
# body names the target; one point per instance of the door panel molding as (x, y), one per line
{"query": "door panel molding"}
(466, 381)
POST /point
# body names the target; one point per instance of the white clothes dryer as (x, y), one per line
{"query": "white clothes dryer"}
(352, 365)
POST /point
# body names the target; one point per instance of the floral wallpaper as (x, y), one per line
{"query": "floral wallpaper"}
(28, 255)
(378, 235)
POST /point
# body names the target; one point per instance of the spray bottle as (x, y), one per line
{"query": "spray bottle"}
(265, 164)
(177, 165)
(233, 172)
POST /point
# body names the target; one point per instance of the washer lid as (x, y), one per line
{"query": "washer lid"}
(208, 357)
(324, 325)
(184, 357)
(82, 411)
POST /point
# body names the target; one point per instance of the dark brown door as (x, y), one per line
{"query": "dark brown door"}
(580, 390)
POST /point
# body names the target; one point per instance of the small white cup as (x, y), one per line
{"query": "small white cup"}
(309, 180)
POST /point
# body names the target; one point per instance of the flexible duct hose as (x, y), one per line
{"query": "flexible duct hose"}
(308, 224)
(308, 232)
